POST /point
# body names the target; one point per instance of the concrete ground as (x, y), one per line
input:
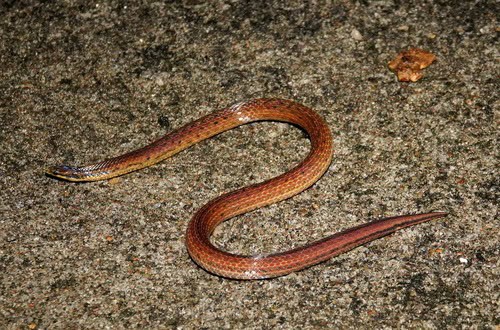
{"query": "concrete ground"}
(84, 80)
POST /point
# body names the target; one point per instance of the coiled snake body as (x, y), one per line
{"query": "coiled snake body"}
(198, 243)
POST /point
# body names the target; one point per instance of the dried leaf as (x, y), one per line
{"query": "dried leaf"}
(408, 64)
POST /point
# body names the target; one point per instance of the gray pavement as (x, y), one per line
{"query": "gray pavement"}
(82, 81)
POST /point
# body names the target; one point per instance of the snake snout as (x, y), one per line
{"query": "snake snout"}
(63, 172)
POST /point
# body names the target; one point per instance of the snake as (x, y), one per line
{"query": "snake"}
(229, 205)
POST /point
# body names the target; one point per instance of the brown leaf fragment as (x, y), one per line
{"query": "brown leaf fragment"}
(408, 64)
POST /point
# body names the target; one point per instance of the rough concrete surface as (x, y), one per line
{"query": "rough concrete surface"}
(85, 80)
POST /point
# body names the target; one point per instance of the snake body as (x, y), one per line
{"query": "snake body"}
(229, 205)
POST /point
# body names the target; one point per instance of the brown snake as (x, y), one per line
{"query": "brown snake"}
(243, 200)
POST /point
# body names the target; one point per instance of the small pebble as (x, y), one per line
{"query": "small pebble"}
(356, 35)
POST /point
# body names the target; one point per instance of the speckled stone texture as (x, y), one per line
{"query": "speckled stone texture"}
(82, 81)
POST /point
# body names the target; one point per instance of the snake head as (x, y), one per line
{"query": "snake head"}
(67, 173)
